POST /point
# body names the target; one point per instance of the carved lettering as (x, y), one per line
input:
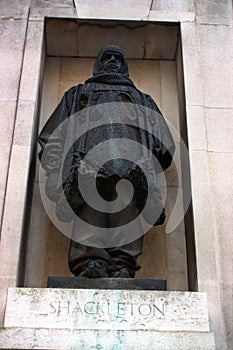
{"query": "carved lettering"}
(144, 309)
(77, 309)
(53, 307)
(63, 307)
(90, 308)
(118, 309)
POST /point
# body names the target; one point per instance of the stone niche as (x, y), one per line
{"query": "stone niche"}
(154, 56)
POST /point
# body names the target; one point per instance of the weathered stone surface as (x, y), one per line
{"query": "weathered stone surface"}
(54, 3)
(63, 339)
(169, 101)
(196, 128)
(219, 128)
(106, 309)
(191, 65)
(216, 64)
(203, 216)
(14, 9)
(99, 36)
(106, 283)
(161, 41)
(137, 39)
(7, 112)
(221, 167)
(213, 12)
(4, 156)
(14, 210)
(226, 294)
(39, 13)
(12, 36)
(25, 121)
(173, 5)
(172, 10)
(135, 9)
(31, 70)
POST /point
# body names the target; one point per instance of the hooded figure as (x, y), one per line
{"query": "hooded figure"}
(110, 83)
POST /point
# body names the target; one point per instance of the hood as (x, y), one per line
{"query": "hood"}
(98, 68)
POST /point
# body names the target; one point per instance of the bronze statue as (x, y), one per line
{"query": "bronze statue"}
(110, 83)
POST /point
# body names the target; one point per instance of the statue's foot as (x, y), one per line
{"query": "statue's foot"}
(93, 269)
(122, 273)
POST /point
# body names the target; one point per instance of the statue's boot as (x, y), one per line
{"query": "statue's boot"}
(93, 269)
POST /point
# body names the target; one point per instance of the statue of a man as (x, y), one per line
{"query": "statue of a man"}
(110, 83)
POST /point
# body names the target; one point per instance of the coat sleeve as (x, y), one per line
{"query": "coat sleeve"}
(164, 146)
(51, 137)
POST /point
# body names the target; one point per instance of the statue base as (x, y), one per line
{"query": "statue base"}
(106, 283)
(63, 318)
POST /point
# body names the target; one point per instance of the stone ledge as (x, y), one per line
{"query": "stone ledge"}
(106, 283)
(94, 309)
(63, 339)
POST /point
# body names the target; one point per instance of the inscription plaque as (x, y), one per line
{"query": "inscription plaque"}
(106, 309)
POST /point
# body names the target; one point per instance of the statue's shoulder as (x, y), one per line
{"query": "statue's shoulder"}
(74, 89)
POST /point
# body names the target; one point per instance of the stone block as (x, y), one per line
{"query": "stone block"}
(205, 233)
(216, 65)
(14, 209)
(213, 12)
(219, 129)
(221, 169)
(135, 9)
(173, 5)
(37, 243)
(7, 112)
(214, 307)
(25, 123)
(226, 290)
(172, 10)
(153, 260)
(196, 128)
(68, 43)
(13, 9)
(146, 76)
(76, 70)
(50, 90)
(4, 156)
(169, 98)
(177, 259)
(39, 13)
(5, 282)
(171, 16)
(12, 34)
(51, 4)
(63, 339)
(191, 65)
(106, 309)
(31, 70)
(99, 36)
(161, 42)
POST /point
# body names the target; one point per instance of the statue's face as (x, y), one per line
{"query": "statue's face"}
(112, 62)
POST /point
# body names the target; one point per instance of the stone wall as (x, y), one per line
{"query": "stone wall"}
(206, 36)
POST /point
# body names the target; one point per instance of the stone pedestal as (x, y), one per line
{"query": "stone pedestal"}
(106, 283)
(105, 319)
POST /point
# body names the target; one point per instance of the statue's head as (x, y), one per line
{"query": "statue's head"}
(111, 59)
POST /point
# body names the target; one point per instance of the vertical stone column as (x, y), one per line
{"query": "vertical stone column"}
(207, 56)
(22, 51)
(13, 28)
